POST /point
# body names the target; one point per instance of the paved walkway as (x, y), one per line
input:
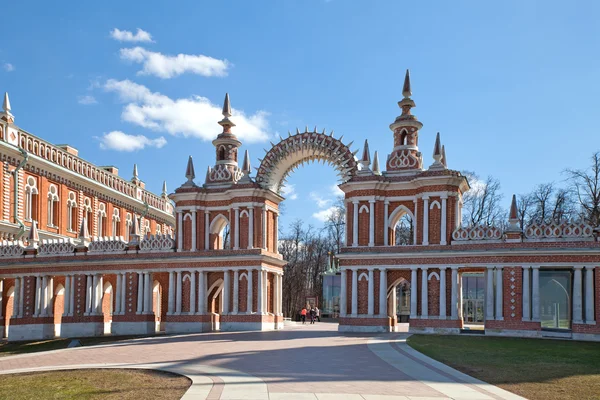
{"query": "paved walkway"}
(300, 362)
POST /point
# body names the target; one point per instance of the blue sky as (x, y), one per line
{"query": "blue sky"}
(512, 86)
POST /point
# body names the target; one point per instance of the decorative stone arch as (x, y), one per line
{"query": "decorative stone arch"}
(363, 276)
(301, 148)
(214, 298)
(435, 203)
(187, 216)
(363, 208)
(433, 275)
(244, 213)
(403, 300)
(243, 275)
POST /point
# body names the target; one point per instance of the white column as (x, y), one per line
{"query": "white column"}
(259, 293)
(425, 220)
(1, 299)
(16, 297)
(250, 227)
(386, 228)
(413, 292)
(382, 292)
(179, 231)
(118, 290)
(178, 294)
(236, 236)
(265, 297)
(442, 292)
(192, 292)
(264, 227)
(72, 299)
(280, 294)
(424, 295)
(236, 291)
(460, 298)
(371, 223)
(206, 229)
(489, 294)
(416, 221)
(201, 292)
(454, 294)
(577, 299)
(343, 294)
(371, 295)
(147, 293)
(535, 294)
(526, 294)
(99, 293)
(45, 295)
(140, 294)
(276, 232)
(249, 297)
(589, 294)
(444, 217)
(193, 231)
(88, 294)
(171, 306)
(355, 223)
(354, 292)
(38, 296)
(225, 293)
(499, 293)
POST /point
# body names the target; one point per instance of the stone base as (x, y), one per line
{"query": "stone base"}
(187, 327)
(279, 325)
(81, 329)
(133, 328)
(30, 332)
(232, 326)
(592, 337)
(364, 328)
(433, 330)
(513, 333)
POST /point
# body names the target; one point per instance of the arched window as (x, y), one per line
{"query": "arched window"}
(87, 213)
(128, 223)
(219, 233)
(221, 153)
(72, 212)
(146, 229)
(158, 230)
(101, 219)
(31, 199)
(116, 223)
(401, 227)
(53, 207)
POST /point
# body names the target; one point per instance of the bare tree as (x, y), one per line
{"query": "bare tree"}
(551, 204)
(403, 232)
(585, 185)
(336, 224)
(482, 204)
(524, 209)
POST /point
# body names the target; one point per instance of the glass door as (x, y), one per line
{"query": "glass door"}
(473, 298)
(555, 299)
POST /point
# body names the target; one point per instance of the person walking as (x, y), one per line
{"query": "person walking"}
(303, 315)
(312, 315)
(317, 314)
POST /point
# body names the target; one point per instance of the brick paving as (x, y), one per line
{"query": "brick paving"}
(292, 363)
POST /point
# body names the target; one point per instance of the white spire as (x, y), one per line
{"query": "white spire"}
(6, 104)
(164, 188)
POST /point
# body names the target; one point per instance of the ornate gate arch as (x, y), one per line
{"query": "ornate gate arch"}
(304, 147)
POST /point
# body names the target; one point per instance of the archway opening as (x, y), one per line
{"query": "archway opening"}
(157, 307)
(9, 309)
(215, 303)
(398, 304)
(107, 306)
(58, 308)
(401, 227)
(220, 238)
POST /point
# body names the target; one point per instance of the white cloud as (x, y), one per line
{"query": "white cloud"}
(127, 36)
(289, 192)
(87, 100)
(321, 202)
(323, 215)
(166, 66)
(8, 67)
(119, 141)
(189, 117)
(336, 191)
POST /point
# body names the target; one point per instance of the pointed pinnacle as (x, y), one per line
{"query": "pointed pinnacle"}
(437, 148)
(323, 131)
(246, 164)
(366, 156)
(406, 91)
(135, 171)
(34, 236)
(376, 169)
(6, 104)
(226, 106)
(83, 229)
(306, 129)
(189, 171)
(280, 138)
(444, 156)
(315, 131)
(513, 208)
(289, 134)
(164, 188)
(350, 144)
(331, 134)
(341, 137)
(297, 131)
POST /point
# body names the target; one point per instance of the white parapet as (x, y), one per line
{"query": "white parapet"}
(30, 332)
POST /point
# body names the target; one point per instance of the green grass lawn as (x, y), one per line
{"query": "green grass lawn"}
(94, 384)
(13, 348)
(533, 368)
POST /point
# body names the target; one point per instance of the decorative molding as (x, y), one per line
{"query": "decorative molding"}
(157, 243)
(477, 233)
(107, 245)
(363, 207)
(435, 203)
(56, 247)
(433, 275)
(363, 275)
(12, 248)
(567, 230)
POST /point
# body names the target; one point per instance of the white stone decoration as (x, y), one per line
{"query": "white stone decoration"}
(404, 159)
(566, 230)
(300, 148)
(107, 245)
(156, 243)
(57, 247)
(12, 248)
(477, 233)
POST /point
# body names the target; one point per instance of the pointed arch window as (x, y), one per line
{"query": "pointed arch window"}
(146, 230)
(221, 153)
(72, 212)
(101, 219)
(31, 199)
(158, 230)
(87, 213)
(116, 223)
(53, 207)
(128, 223)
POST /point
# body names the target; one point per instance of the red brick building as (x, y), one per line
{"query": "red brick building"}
(221, 268)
